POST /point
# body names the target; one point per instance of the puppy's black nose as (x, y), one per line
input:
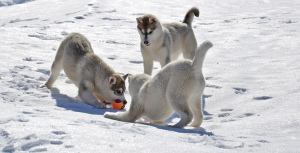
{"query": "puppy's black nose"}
(146, 42)
(124, 102)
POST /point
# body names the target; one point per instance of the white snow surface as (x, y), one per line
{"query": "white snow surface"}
(251, 101)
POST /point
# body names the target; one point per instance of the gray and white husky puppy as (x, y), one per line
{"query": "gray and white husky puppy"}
(97, 82)
(176, 87)
(165, 42)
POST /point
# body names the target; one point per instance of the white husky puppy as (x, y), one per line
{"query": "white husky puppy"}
(165, 42)
(176, 87)
(89, 73)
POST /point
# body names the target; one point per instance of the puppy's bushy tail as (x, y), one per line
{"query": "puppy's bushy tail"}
(190, 15)
(200, 55)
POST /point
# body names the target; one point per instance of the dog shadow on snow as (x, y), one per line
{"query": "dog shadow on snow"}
(73, 104)
(194, 130)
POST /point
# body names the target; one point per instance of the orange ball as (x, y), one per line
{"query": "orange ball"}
(118, 104)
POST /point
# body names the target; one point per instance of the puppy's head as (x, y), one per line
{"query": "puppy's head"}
(136, 82)
(116, 88)
(149, 28)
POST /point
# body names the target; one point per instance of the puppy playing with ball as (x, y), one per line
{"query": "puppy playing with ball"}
(176, 87)
(97, 82)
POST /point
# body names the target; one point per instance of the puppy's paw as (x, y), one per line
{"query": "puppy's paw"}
(101, 106)
(115, 116)
(45, 85)
(98, 105)
(109, 115)
(194, 124)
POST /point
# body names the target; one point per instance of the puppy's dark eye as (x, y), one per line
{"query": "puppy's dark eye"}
(150, 32)
(119, 92)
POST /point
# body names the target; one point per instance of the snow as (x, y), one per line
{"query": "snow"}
(251, 101)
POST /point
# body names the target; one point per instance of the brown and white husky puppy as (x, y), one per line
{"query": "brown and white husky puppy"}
(165, 42)
(94, 78)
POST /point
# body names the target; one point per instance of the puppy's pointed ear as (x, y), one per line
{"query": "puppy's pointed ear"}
(112, 80)
(139, 20)
(125, 76)
(152, 20)
(129, 77)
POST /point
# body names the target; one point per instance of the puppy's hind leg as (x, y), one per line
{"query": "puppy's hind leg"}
(195, 104)
(55, 68)
(189, 47)
(181, 108)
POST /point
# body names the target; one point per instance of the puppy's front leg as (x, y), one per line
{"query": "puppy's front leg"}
(165, 56)
(148, 66)
(135, 112)
(165, 61)
(88, 97)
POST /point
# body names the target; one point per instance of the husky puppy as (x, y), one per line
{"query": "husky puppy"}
(165, 42)
(176, 87)
(94, 78)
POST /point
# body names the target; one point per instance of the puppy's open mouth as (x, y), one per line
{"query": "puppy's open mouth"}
(101, 99)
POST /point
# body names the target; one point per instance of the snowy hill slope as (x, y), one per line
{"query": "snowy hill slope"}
(251, 101)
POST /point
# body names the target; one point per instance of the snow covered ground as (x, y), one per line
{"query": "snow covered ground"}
(251, 101)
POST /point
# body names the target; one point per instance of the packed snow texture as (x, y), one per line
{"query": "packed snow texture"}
(250, 103)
